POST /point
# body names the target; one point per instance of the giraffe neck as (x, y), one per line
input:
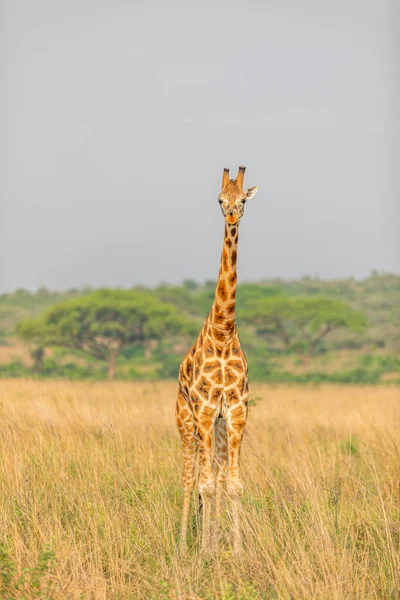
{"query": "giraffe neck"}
(222, 314)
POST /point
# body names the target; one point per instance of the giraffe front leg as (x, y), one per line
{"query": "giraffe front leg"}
(219, 467)
(206, 479)
(237, 421)
(185, 422)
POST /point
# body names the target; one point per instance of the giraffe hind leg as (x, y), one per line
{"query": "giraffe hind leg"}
(236, 424)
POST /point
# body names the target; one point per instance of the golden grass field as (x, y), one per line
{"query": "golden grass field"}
(90, 495)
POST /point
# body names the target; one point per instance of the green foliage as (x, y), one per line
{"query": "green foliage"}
(155, 348)
(350, 446)
(14, 368)
(250, 292)
(254, 400)
(104, 322)
(34, 582)
(109, 317)
(170, 366)
(245, 592)
(190, 284)
(385, 364)
(300, 323)
(178, 296)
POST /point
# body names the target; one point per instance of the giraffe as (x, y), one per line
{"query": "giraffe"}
(213, 388)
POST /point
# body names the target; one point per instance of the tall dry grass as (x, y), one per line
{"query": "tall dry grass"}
(91, 472)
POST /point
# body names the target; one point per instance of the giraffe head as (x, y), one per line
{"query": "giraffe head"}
(232, 197)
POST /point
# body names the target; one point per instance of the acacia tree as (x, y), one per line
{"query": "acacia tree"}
(104, 322)
(301, 323)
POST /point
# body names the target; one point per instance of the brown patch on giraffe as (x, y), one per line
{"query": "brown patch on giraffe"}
(238, 425)
(236, 238)
(236, 364)
(232, 396)
(183, 384)
(222, 291)
(233, 231)
(230, 376)
(208, 411)
(234, 257)
(225, 260)
(217, 376)
(232, 279)
(221, 337)
(203, 388)
(228, 242)
(218, 351)
(206, 422)
(209, 367)
(236, 350)
(198, 359)
(185, 414)
(208, 348)
(219, 317)
(230, 327)
(227, 352)
(181, 399)
(195, 400)
(241, 386)
(189, 368)
(179, 421)
(230, 308)
(233, 443)
(215, 395)
(237, 414)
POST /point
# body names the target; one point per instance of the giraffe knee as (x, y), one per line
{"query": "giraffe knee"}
(234, 488)
(207, 487)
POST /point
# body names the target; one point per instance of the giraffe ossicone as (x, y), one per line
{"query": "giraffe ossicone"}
(213, 387)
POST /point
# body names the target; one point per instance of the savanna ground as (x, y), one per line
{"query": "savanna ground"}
(90, 495)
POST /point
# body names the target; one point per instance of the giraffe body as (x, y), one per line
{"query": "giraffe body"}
(213, 386)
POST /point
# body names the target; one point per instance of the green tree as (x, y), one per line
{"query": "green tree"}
(301, 323)
(104, 322)
(33, 332)
(190, 284)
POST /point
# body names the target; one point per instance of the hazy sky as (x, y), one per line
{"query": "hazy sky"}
(117, 119)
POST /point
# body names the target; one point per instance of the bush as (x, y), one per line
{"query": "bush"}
(14, 369)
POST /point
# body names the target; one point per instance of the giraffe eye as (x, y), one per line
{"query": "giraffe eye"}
(244, 200)
(219, 201)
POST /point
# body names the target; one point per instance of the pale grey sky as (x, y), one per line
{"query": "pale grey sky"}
(117, 119)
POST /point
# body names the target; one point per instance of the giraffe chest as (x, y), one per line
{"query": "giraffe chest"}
(214, 375)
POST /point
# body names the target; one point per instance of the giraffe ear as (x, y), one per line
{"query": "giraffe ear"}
(251, 192)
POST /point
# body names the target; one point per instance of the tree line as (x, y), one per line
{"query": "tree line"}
(102, 323)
